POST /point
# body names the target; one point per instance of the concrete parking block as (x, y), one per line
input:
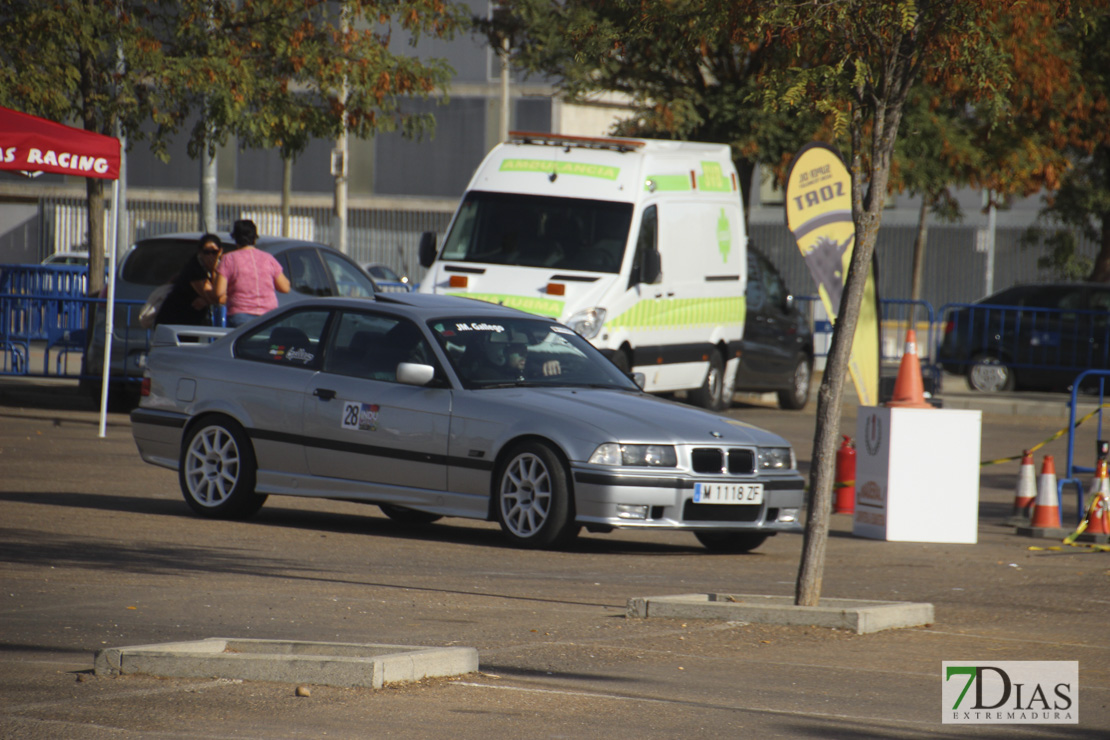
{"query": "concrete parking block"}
(860, 616)
(321, 663)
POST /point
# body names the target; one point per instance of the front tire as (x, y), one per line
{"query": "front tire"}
(217, 471)
(711, 395)
(987, 374)
(731, 542)
(797, 397)
(533, 498)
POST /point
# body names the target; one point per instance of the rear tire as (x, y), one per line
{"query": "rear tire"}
(731, 542)
(987, 374)
(217, 470)
(711, 395)
(797, 397)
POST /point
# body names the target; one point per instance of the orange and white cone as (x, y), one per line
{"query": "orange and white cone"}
(909, 389)
(1098, 518)
(1026, 493)
(1046, 509)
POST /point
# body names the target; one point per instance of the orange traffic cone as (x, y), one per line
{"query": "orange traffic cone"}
(1046, 510)
(909, 389)
(1026, 492)
(1098, 518)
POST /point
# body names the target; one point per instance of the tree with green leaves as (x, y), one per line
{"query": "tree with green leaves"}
(1081, 201)
(92, 64)
(277, 74)
(860, 63)
(687, 69)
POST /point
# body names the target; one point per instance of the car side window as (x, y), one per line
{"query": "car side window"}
(776, 289)
(370, 346)
(292, 340)
(755, 295)
(306, 272)
(350, 282)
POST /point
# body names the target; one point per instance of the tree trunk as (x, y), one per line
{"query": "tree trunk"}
(94, 190)
(1101, 270)
(919, 258)
(286, 194)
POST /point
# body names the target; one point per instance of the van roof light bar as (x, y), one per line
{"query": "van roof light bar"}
(586, 142)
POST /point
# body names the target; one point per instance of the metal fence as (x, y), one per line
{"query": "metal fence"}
(389, 234)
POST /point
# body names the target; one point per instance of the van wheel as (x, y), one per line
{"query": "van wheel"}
(620, 359)
(711, 395)
(797, 397)
(987, 374)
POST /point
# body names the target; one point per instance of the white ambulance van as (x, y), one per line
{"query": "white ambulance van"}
(638, 245)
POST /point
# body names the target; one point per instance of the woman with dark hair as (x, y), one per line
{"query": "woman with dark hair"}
(194, 288)
(249, 279)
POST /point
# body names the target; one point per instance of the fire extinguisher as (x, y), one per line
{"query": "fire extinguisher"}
(845, 477)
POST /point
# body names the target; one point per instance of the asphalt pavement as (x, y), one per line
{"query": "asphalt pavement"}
(97, 549)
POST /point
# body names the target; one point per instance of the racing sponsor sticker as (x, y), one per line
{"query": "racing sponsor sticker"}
(362, 417)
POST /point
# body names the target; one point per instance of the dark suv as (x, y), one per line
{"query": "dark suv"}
(777, 351)
(1028, 337)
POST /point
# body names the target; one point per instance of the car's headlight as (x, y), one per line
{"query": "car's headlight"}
(776, 458)
(587, 323)
(658, 456)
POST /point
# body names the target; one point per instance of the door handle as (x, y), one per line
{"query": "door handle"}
(324, 394)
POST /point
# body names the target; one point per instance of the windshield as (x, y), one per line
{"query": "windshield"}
(487, 353)
(537, 231)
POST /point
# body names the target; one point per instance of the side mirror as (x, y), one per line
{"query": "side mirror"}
(653, 267)
(639, 379)
(427, 248)
(413, 373)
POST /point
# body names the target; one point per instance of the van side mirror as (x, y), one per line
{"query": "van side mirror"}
(790, 302)
(653, 267)
(427, 248)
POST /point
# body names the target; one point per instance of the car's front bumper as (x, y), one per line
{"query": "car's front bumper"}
(647, 501)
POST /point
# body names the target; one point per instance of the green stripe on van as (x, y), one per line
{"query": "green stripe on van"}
(547, 166)
(538, 306)
(678, 313)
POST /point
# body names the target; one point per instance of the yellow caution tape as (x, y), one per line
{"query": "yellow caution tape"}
(1039, 445)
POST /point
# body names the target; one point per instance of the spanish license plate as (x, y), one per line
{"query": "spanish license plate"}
(728, 493)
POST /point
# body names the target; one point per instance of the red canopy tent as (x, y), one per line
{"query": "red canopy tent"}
(33, 144)
(30, 144)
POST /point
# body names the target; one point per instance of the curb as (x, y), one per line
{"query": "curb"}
(321, 663)
(860, 616)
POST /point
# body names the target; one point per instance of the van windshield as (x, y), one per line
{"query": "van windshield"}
(538, 231)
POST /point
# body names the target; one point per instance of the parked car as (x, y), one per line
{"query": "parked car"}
(776, 353)
(313, 270)
(414, 402)
(382, 273)
(79, 258)
(1036, 336)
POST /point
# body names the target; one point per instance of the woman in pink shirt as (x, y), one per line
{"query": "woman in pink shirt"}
(249, 279)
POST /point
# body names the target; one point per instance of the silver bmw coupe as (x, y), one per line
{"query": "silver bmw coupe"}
(433, 406)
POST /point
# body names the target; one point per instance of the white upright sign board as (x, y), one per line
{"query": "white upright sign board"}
(917, 474)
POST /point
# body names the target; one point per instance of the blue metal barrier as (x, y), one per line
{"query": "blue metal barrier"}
(1099, 376)
(1046, 347)
(896, 315)
(40, 303)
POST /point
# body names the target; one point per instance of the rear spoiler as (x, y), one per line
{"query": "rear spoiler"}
(178, 335)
